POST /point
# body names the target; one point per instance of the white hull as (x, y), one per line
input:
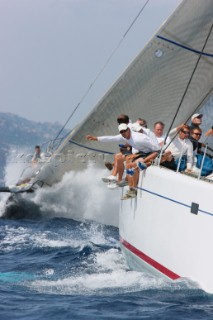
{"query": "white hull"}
(159, 232)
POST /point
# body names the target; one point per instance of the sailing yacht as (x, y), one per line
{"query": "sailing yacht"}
(167, 228)
(155, 86)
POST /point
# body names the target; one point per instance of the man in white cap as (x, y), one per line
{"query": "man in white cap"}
(145, 147)
(116, 177)
(139, 141)
(196, 120)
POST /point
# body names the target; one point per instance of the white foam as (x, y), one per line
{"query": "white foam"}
(108, 273)
(15, 238)
(108, 283)
(110, 276)
(111, 260)
(16, 162)
(80, 195)
(49, 272)
(20, 238)
(3, 200)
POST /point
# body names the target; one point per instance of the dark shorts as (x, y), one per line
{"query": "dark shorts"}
(134, 156)
(141, 155)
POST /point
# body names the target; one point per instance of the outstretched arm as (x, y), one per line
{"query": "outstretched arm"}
(117, 138)
(92, 138)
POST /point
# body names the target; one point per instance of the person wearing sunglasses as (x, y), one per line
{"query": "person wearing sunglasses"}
(143, 145)
(115, 179)
(117, 166)
(196, 121)
(195, 135)
(179, 149)
(207, 163)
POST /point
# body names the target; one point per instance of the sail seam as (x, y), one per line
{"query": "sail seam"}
(185, 47)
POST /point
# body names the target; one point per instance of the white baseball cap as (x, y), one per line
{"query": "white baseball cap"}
(122, 126)
(196, 115)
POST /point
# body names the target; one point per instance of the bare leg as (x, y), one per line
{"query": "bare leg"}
(147, 160)
(118, 166)
(133, 180)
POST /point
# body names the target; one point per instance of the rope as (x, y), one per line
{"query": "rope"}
(89, 148)
(103, 68)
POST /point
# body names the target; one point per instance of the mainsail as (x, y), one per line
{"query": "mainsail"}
(153, 87)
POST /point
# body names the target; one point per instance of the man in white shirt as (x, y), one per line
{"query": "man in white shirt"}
(143, 145)
(116, 177)
(180, 146)
(158, 131)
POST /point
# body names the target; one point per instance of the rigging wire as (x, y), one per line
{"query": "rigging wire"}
(103, 68)
(189, 82)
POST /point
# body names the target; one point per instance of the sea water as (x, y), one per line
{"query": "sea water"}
(63, 264)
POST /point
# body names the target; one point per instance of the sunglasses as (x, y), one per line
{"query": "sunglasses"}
(185, 132)
(122, 131)
(197, 134)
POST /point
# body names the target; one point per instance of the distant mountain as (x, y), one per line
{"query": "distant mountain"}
(20, 132)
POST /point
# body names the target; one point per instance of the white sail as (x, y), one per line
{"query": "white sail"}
(154, 83)
(175, 65)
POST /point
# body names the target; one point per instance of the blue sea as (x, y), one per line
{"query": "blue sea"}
(60, 268)
(61, 259)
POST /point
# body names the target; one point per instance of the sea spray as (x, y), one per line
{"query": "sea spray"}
(17, 163)
(81, 196)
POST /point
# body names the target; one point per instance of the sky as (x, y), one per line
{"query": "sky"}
(53, 50)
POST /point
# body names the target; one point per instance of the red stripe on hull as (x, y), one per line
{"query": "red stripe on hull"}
(150, 261)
